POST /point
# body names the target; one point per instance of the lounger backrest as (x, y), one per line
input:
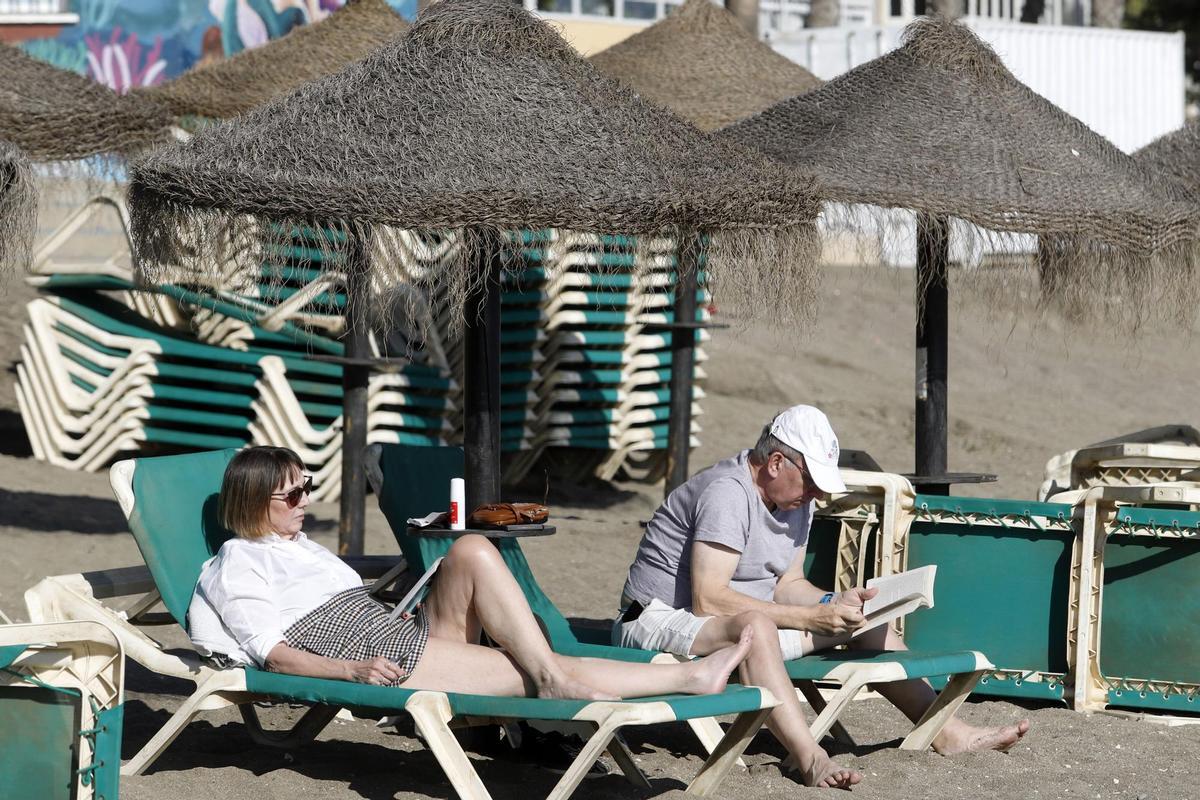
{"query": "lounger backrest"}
(820, 556)
(1150, 609)
(416, 480)
(1003, 585)
(175, 521)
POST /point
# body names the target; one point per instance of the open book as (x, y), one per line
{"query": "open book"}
(417, 593)
(898, 595)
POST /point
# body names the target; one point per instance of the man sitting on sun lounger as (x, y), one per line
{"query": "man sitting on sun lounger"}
(726, 550)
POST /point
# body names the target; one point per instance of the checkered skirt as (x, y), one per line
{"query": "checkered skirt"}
(353, 626)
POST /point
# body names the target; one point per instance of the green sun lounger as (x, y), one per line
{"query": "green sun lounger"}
(171, 506)
(1003, 585)
(1137, 576)
(61, 711)
(412, 481)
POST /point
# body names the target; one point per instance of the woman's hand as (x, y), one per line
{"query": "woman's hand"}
(377, 671)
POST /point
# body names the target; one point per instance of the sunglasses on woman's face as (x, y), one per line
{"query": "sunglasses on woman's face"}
(292, 497)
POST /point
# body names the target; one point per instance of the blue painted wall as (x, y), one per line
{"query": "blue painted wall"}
(126, 43)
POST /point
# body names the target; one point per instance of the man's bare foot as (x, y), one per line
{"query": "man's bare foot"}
(965, 738)
(710, 674)
(821, 772)
(560, 687)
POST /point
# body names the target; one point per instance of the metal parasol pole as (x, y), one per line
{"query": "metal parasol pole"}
(933, 258)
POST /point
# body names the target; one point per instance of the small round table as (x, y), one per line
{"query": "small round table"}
(940, 484)
(491, 533)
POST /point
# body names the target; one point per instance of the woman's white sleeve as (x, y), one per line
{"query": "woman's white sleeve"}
(245, 601)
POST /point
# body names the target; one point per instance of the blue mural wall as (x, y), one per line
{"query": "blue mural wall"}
(127, 43)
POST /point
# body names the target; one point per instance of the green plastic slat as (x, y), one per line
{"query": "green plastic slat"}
(200, 397)
(280, 272)
(189, 440)
(195, 417)
(521, 316)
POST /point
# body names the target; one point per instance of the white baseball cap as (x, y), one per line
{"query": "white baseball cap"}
(807, 429)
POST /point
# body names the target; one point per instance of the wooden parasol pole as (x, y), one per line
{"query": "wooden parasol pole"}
(355, 380)
(481, 390)
(683, 360)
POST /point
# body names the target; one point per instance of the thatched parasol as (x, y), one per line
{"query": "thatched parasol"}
(18, 204)
(481, 119)
(704, 65)
(941, 127)
(235, 85)
(56, 115)
(1176, 155)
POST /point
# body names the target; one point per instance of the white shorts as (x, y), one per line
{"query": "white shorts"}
(674, 630)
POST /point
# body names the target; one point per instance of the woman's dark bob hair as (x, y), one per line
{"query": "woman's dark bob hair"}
(250, 478)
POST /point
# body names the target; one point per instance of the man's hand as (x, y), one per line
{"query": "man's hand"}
(832, 619)
(854, 598)
(842, 615)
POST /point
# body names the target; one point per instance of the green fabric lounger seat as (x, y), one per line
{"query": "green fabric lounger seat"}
(1003, 585)
(61, 711)
(410, 482)
(170, 503)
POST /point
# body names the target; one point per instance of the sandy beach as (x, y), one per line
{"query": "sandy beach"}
(1021, 390)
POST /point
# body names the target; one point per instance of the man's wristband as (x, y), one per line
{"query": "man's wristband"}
(826, 599)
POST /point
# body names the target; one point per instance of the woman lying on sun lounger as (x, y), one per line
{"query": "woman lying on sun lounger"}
(275, 598)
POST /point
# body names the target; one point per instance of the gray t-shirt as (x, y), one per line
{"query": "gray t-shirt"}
(719, 505)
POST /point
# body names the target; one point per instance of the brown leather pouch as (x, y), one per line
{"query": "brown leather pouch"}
(498, 515)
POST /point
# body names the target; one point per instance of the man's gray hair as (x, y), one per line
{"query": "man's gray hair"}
(768, 444)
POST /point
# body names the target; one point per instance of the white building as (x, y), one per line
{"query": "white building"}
(1126, 85)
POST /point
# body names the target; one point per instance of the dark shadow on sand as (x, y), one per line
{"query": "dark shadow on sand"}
(40, 511)
(374, 771)
(13, 439)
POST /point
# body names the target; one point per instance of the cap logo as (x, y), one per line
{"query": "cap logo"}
(833, 453)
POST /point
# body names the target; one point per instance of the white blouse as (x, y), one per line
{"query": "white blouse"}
(253, 590)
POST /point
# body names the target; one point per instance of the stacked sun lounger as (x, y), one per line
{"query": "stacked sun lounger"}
(585, 354)
(585, 358)
(1167, 453)
(97, 380)
(602, 398)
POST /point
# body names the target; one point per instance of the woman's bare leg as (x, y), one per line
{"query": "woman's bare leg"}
(474, 590)
(451, 666)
